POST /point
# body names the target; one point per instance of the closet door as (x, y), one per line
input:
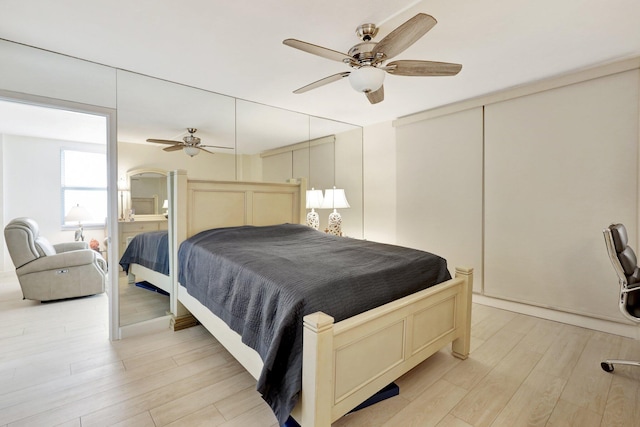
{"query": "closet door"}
(560, 166)
(439, 188)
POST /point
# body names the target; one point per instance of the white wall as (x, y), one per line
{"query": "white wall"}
(42, 73)
(379, 172)
(439, 188)
(217, 166)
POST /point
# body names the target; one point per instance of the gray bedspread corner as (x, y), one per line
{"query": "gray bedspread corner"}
(263, 280)
(150, 249)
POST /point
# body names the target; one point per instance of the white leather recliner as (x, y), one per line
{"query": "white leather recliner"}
(51, 272)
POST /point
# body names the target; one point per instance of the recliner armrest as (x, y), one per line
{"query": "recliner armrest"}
(59, 261)
(70, 246)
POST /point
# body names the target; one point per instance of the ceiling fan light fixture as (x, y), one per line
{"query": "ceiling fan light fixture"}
(366, 79)
(191, 151)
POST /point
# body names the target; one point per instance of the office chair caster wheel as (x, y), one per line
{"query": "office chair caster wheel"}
(607, 367)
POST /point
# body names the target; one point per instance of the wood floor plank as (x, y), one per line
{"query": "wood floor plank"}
(142, 419)
(416, 382)
(588, 386)
(157, 396)
(430, 408)
(57, 367)
(566, 414)
(471, 371)
(483, 404)
(452, 421)
(533, 402)
(623, 402)
(374, 415)
(205, 396)
(205, 417)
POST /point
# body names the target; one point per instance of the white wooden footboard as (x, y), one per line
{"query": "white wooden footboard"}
(347, 362)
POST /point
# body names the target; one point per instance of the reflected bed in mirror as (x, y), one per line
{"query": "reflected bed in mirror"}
(144, 290)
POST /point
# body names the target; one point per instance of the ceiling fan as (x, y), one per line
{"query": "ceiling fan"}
(190, 144)
(367, 58)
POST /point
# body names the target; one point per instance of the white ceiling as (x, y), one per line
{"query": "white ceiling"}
(235, 48)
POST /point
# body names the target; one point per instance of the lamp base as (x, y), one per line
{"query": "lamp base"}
(79, 234)
(313, 220)
(335, 224)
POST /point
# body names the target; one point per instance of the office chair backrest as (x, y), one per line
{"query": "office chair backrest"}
(625, 263)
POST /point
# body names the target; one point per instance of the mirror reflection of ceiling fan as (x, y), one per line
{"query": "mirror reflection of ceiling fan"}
(190, 144)
(367, 58)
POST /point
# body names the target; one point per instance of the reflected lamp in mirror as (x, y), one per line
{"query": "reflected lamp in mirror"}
(314, 201)
(165, 206)
(122, 187)
(80, 214)
(335, 198)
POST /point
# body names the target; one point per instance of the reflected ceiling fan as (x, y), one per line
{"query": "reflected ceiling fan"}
(190, 144)
(367, 58)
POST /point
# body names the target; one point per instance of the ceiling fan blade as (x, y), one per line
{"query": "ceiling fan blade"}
(202, 149)
(318, 50)
(405, 35)
(174, 148)
(163, 141)
(422, 68)
(322, 82)
(377, 96)
(215, 146)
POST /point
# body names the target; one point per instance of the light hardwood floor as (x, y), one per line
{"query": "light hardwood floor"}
(57, 368)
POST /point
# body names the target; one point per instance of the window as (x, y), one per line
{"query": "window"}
(84, 183)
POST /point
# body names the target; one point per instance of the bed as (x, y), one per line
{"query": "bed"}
(146, 259)
(343, 362)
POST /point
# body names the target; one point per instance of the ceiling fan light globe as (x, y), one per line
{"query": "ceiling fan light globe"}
(366, 79)
(191, 151)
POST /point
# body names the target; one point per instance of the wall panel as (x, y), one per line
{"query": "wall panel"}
(439, 188)
(560, 165)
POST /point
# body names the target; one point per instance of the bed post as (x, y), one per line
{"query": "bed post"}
(317, 370)
(460, 347)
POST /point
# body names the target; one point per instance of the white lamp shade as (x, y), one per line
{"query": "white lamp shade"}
(334, 198)
(78, 213)
(314, 199)
(123, 185)
(191, 151)
(165, 205)
(366, 78)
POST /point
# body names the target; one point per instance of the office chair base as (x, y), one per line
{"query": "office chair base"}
(607, 365)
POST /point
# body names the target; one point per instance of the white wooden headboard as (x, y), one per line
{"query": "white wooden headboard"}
(197, 205)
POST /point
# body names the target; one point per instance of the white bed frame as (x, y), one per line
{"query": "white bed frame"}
(344, 363)
(138, 273)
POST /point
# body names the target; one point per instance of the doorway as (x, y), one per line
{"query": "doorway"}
(34, 134)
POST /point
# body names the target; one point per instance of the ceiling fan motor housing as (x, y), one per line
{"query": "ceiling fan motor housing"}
(362, 53)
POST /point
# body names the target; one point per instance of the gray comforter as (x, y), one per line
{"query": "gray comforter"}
(150, 250)
(262, 280)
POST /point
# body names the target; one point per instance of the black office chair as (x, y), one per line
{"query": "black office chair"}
(625, 264)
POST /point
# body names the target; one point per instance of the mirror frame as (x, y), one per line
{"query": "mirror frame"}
(133, 172)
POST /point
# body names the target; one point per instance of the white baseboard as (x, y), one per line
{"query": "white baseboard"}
(602, 325)
(147, 327)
